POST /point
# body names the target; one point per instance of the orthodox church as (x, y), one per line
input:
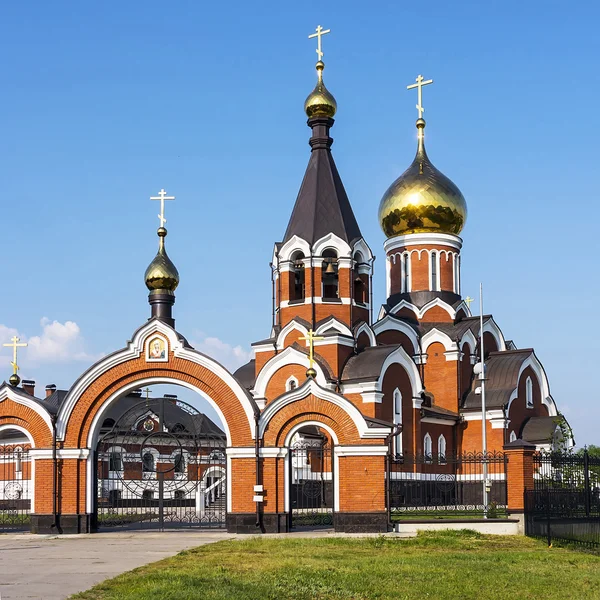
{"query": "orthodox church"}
(334, 398)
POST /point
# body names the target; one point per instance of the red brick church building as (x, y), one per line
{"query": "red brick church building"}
(300, 438)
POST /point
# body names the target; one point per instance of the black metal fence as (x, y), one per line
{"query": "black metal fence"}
(16, 488)
(447, 486)
(565, 502)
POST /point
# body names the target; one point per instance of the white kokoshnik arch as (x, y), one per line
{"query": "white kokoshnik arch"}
(310, 386)
(133, 350)
(8, 392)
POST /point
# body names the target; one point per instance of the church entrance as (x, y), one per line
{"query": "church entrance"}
(311, 479)
(160, 464)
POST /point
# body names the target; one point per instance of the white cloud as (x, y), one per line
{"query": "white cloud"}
(231, 357)
(6, 333)
(57, 343)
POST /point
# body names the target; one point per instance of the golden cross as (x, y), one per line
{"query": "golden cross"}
(468, 300)
(162, 196)
(419, 85)
(15, 344)
(320, 32)
(310, 337)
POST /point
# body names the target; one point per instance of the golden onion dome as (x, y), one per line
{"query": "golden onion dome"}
(161, 273)
(422, 199)
(320, 102)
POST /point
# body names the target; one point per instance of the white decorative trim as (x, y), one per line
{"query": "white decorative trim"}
(293, 245)
(133, 350)
(312, 387)
(8, 392)
(399, 356)
(422, 239)
(250, 452)
(435, 335)
(468, 338)
(491, 326)
(335, 324)
(337, 340)
(334, 242)
(417, 402)
(289, 356)
(364, 328)
(389, 323)
(453, 355)
(24, 431)
(436, 421)
(362, 247)
(361, 450)
(63, 453)
(420, 312)
(536, 366)
(289, 380)
(490, 415)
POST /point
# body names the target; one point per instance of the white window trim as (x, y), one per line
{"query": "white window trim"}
(289, 381)
(405, 273)
(437, 267)
(427, 445)
(397, 400)
(513, 436)
(442, 448)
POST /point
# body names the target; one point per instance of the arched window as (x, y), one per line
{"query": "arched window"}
(298, 288)
(360, 289)
(427, 448)
(529, 393)
(330, 275)
(291, 384)
(513, 436)
(148, 462)
(406, 272)
(115, 460)
(442, 449)
(179, 462)
(398, 420)
(433, 267)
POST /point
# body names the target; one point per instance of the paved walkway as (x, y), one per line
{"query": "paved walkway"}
(54, 567)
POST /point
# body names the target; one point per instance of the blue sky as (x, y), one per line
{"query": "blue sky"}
(104, 104)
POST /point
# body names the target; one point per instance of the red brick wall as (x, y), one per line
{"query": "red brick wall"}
(362, 483)
(519, 412)
(441, 377)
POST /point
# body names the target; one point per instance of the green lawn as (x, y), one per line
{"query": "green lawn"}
(434, 565)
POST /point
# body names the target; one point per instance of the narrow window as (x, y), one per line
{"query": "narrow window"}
(513, 436)
(427, 447)
(115, 461)
(148, 462)
(434, 271)
(291, 384)
(442, 449)
(529, 392)
(398, 419)
(179, 463)
(457, 273)
(405, 272)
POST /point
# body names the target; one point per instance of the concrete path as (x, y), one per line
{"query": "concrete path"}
(54, 567)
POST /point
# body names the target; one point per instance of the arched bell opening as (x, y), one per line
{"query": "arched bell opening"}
(330, 275)
(298, 286)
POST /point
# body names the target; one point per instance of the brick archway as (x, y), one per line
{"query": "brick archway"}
(81, 414)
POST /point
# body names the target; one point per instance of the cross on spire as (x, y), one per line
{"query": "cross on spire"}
(162, 196)
(310, 337)
(419, 85)
(468, 300)
(14, 345)
(320, 32)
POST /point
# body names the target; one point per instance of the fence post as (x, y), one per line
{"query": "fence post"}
(548, 521)
(519, 474)
(586, 481)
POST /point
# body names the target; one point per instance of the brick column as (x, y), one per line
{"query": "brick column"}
(519, 473)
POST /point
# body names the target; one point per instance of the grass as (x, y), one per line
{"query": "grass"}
(442, 565)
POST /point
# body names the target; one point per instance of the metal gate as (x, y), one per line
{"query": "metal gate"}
(162, 464)
(311, 484)
(16, 489)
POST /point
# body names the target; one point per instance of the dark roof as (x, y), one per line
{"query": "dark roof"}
(439, 413)
(367, 364)
(322, 206)
(539, 429)
(246, 374)
(421, 298)
(502, 370)
(54, 401)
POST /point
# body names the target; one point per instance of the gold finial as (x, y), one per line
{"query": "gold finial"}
(161, 273)
(310, 337)
(14, 378)
(162, 196)
(320, 32)
(320, 102)
(468, 300)
(419, 85)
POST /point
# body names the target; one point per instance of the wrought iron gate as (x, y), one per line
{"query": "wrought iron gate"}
(162, 464)
(311, 485)
(16, 489)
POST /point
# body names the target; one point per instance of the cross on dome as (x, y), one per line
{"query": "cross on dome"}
(310, 337)
(320, 32)
(419, 85)
(14, 345)
(162, 196)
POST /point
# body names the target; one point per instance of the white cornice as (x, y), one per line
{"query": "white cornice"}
(7, 392)
(435, 421)
(422, 239)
